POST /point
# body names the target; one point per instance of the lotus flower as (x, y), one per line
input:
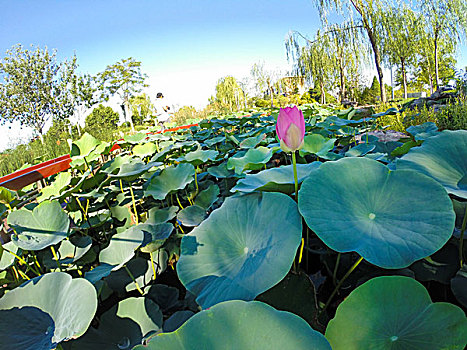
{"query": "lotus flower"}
(290, 128)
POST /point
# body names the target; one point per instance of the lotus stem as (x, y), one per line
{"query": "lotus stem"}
(461, 237)
(134, 205)
(134, 280)
(84, 212)
(196, 182)
(178, 200)
(354, 266)
(15, 273)
(334, 275)
(300, 255)
(152, 265)
(22, 261)
(56, 257)
(294, 162)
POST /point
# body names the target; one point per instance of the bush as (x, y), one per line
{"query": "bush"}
(102, 123)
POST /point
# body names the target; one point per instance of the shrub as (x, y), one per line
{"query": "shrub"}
(102, 123)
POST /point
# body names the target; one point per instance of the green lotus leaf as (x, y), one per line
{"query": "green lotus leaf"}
(135, 138)
(459, 285)
(99, 272)
(133, 169)
(221, 171)
(84, 146)
(192, 215)
(6, 196)
(214, 141)
(317, 144)
(164, 296)
(162, 155)
(53, 190)
(252, 142)
(46, 225)
(115, 164)
(391, 218)
(442, 157)
(122, 327)
(144, 150)
(155, 236)
(7, 259)
(199, 157)
(360, 150)
(161, 215)
(207, 197)
(122, 246)
(40, 329)
(275, 179)
(244, 248)
(70, 302)
(254, 159)
(424, 131)
(170, 179)
(238, 324)
(396, 312)
(141, 269)
(176, 320)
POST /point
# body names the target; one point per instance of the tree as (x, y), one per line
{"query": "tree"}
(447, 20)
(141, 108)
(229, 95)
(125, 79)
(369, 14)
(403, 30)
(264, 79)
(102, 122)
(34, 88)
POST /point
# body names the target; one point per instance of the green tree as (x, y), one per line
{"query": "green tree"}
(264, 79)
(229, 95)
(102, 122)
(34, 88)
(369, 15)
(403, 30)
(125, 79)
(446, 20)
(141, 108)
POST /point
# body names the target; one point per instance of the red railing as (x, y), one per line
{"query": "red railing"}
(21, 178)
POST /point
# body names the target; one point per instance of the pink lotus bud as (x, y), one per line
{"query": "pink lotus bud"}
(290, 128)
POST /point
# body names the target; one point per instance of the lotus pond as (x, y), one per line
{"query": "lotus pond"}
(197, 239)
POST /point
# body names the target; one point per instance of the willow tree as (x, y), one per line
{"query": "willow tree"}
(332, 58)
(365, 13)
(264, 79)
(403, 31)
(446, 20)
(229, 95)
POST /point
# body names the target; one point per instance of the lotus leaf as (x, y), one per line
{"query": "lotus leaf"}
(123, 326)
(254, 159)
(99, 272)
(164, 296)
(115, 164)
(221, 171)
(144, 150)
(7, 259)
(135, 138)
(71, 303)
(176, 320)
(275, 179)
(199, 157)
(161, 215)
(40, 329)
(252, 142)
(360, 150)
(396, 312)
(241, 325)
(391, 218)
(192, 215)
(424, 131)
(207, 197)
(47, 224)
(317, 144)
(122, 246)
(170, 179)
(84, 146)
(442, 157)
(155, 236)
(244, 248)
(133, 169)
(6, 196)
(214, 141)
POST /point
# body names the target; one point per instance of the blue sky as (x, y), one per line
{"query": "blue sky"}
(184, 46)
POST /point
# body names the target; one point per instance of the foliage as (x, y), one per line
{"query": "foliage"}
(35, 87)
(125, 79)
(141, 108)
(229, 96)
(102, 123)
